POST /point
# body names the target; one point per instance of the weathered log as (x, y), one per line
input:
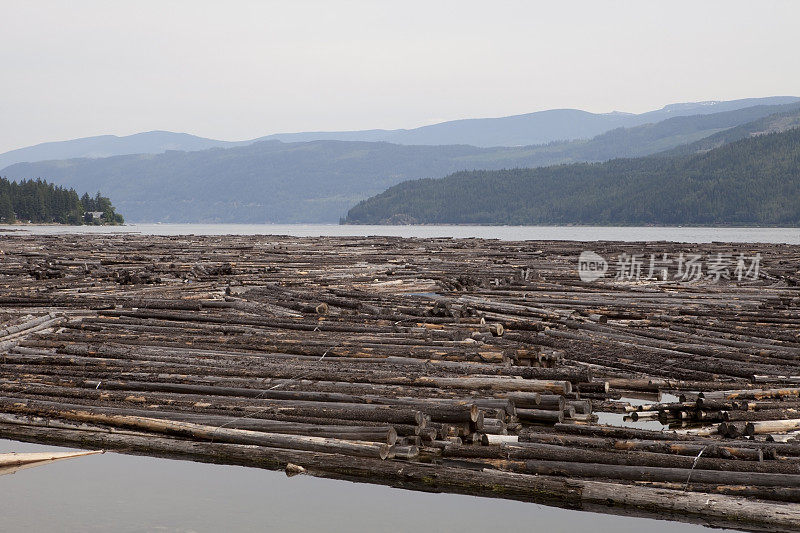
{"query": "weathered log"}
(772, 426)
(233, 436)
(541, 415)
(652, 473)
(550, 452)
(709, 448)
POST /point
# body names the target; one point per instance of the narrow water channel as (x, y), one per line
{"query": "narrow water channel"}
(123, 493)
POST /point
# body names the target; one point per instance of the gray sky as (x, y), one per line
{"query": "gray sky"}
(236, 70)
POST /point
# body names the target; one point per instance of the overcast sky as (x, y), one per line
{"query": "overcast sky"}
(237, 70)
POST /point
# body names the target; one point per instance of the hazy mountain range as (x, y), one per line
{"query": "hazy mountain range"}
(520, 130)
(533, 128)
(318, 181)
(151, 142)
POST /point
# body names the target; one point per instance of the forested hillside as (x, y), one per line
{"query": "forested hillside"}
(754, 181)
(683, 132)
(777, 122)
(41, 202)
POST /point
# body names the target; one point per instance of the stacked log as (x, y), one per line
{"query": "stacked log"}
(476, 363)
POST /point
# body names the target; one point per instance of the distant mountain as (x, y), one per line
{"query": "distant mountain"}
(520, 130)
(318, 181)
(533, 128)
(650, 139)
(773, 123)
(753, 181)
(151, 142)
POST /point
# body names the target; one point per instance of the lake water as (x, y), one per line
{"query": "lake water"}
(578, 233)
(123, 493)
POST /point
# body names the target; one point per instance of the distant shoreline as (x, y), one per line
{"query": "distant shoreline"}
(420, 225)
(618, 225)
(58, 224)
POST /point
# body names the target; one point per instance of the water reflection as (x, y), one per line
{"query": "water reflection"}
(122, 493)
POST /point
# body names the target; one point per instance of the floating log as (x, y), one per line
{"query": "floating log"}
(436, 348)
(13, 462)
(651, 473)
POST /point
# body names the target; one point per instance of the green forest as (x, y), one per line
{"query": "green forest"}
(40, 202)
(753, 181)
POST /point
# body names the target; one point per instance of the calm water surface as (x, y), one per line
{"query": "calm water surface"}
(123, 493)
(579, 233)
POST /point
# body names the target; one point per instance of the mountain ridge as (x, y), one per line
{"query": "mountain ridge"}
(558, 121)
(527, 129)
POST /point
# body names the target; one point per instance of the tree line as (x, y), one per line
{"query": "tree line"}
(38, 201)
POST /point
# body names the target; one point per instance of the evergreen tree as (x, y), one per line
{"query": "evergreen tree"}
(39, 201)
(6, 209)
